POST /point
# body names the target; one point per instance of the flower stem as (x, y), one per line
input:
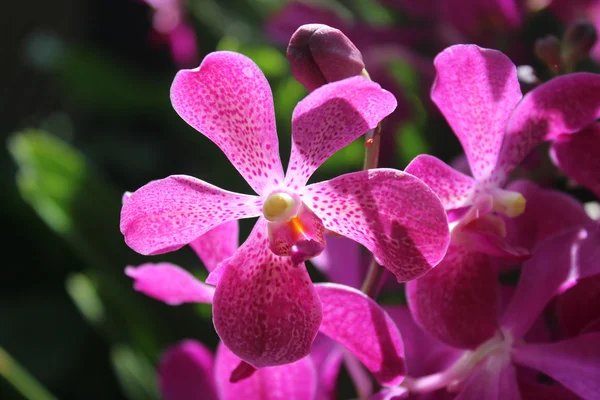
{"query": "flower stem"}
(21, 380)
(372, 145)
(371, 284)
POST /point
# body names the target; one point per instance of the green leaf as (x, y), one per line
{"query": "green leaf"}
(135, 373)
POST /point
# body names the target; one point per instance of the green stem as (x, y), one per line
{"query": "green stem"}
(22, 380)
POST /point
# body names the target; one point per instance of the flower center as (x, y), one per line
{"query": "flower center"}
(280, 207)
(512, 204)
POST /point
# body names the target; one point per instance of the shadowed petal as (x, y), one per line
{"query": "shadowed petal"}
(579, 306)
(391, 213)
(186, 372)
(217, 244)
(456, 302)
(578, 156)
(329, 119)
(169, 283)
(342, 261)
(476, 89)
(555, 266)
(291, 381)
(228, 99)
(354, 320)
(424, 354)
(493, 379)
(265, 309)
(452, 187)
(548, 212)
(563, 105)
(167, 214)
(574, 362)
(327, 356)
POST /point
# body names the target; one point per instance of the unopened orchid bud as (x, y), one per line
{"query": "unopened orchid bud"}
(319, 54)
(547, 49)
(577, 42)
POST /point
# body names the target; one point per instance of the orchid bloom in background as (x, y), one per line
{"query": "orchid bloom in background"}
(229, 100)
(478, 92)
(350, 318)
(169, 21)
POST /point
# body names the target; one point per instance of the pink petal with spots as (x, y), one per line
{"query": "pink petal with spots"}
(578, 156)
(358, 323)
(493, 379)
(548, 212)
(185, 372)
(228, 99)
(291, 381)
(167, 214)
(454, 189)
(556, 265)
(476, 89)
(265, 308)
(169, 283)
(393, 214)
(330, 118)
(456, 302)
(563, 105)
(424, 354)
(217, 244)
(574, 362)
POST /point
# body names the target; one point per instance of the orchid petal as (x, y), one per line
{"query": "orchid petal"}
(169, 283)
(393, 214)
(342, 261)
(424, 354)
(548, 212)
(533, 390)
(396, 393)
(493, 379)
(454, 189)
(579, 306)
(291, 381)
(563, 105)
(228, 99)
(578, 156)
(574, 362)
(217, 244)
(167, 214)
(329, 119)
(265, 308)
(186, 372)
(476, 89)
(354, 320)
(456, 302)
(555, 265)
(327, 356)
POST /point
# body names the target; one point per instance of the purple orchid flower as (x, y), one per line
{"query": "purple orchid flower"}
(477, 91)
(489, 370)
(229, 100)
(349, 317)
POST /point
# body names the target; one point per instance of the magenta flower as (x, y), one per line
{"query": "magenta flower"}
(489, 370)
(477, 91)
(228, 99)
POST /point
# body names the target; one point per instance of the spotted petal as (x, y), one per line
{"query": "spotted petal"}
(393, 214)
(169, 283)
(454, 188)
(578, 156)
(228, 99)
(186, 372)
(290, 381)
(476, 89)
(265, 308)
(330, 118)
(167, 214)
(563, 105)
(354, 320)
(217, 244)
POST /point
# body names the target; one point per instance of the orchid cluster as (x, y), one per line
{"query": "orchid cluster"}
(447, 237)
